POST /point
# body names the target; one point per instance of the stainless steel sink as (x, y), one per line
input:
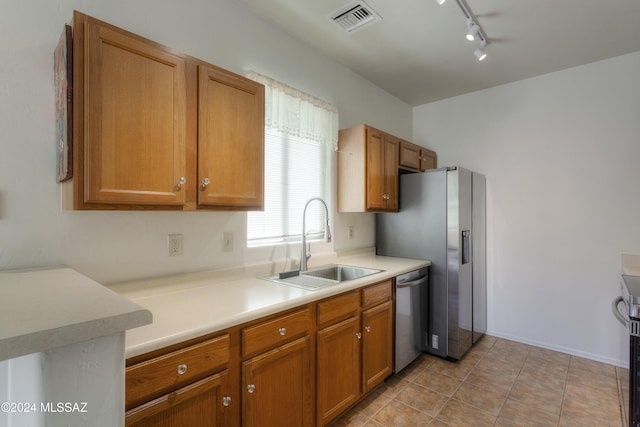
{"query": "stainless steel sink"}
(321, 277)
(340, 273)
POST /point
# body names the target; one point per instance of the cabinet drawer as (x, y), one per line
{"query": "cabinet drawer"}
(337, 308)
(274, 332)
(376, 294)
(157, 376)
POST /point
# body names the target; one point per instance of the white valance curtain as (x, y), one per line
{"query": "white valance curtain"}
(295, 113)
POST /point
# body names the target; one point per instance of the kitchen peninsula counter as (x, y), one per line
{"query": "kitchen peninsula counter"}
(46, 308)
(195, 304)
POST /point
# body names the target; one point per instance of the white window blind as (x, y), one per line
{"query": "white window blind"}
(301, 133)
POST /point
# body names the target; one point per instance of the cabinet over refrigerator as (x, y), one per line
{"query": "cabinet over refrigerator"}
(442, 219)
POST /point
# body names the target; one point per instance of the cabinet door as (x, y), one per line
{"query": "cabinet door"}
(277, 387)
(338, 368)
(377, 345)
(230, 140)
(391, 173)
(198, 404)
(428, 159)
(409, 155)
(375, 170)
(135, 120)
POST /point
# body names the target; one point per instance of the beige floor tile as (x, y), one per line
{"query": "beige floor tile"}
(415, 368)
(456, 413)
(594, 404)
(497, 383)
(397, 414)
(392, 386)
(535, 365)
(422, 399)
(607, 383)
(350, 419)
(452, 369)
(550, 356)
(441, 383)
(539, 393)
(498, 365)
(486, 397)
(371, 404)
(591, 366)
(514, 413)
(503, 381)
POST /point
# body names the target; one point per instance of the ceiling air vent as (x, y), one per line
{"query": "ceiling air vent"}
(355, 16)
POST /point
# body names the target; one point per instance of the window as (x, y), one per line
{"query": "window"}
(301, 133)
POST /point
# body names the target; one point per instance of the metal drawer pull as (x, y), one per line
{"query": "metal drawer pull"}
(251, 388)
(205, 183)
(359, 335)
(367, 328)
(180, 183)
(182, 368)
(226, 401)
(282, 331)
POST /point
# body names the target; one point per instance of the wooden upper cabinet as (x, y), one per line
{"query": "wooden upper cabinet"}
(230, 139)
(415, 158)
(134, 115)
(428, 159)
(367, 170)
(151, 124)
(409, 155)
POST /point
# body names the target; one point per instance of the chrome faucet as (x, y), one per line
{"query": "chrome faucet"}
(306, 254)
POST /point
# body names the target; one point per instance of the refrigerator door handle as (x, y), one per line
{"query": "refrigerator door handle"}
(466, 246)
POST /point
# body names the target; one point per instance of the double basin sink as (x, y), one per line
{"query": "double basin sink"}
(321, 277)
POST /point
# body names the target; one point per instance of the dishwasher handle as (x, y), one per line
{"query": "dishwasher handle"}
(616, 312)
(411, 283)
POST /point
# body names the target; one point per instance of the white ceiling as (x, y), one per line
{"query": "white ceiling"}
(418, 52)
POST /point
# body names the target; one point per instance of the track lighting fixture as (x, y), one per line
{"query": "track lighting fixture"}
(479, 52)
(440, 1)
(473, 30)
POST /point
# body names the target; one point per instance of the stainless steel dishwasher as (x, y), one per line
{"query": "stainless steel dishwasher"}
(412, 293)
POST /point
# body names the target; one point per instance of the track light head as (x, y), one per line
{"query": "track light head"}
(473, 31)
(479, 52)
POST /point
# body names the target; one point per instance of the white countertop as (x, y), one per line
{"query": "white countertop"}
(191, 305)
(46, 308)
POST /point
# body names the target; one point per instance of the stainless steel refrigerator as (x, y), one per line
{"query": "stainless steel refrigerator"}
(442, 219)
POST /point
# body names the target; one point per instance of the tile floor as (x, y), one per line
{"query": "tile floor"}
(498, 383)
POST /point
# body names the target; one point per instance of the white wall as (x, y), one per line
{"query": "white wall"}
(561, 155)
(114, 246)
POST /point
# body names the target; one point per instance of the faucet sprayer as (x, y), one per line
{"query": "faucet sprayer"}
(304, 254)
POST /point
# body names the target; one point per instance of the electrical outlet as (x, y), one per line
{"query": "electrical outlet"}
(350, 232)
(175, 244)
(227, 241)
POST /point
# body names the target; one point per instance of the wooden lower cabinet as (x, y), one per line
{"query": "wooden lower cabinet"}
(303, 367)
(277, 387)
(355, 354)
(338, 369)
(377, 345)
(198, 404)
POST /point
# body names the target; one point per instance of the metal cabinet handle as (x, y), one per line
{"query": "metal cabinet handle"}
(226, 401)
(205, 183)
(282, 331)
(367, 328)
(181, 181)
(359, 335)
(251, 388)
(182, 368)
